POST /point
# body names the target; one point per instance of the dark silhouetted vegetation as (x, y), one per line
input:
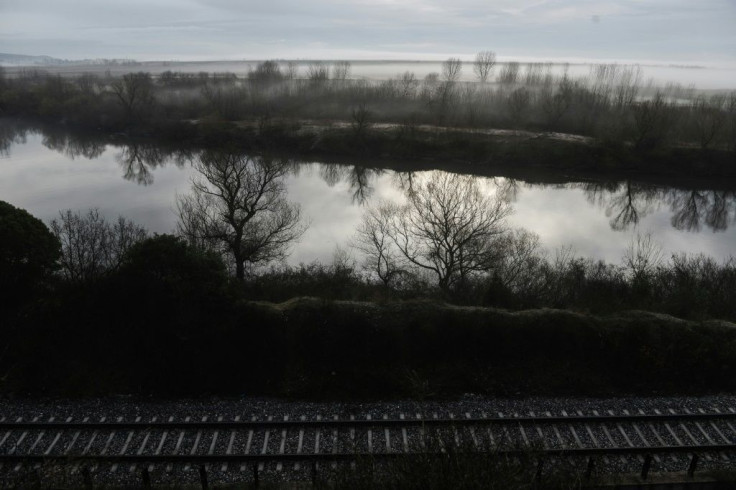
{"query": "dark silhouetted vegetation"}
(238, 207)
(449, 228)
(90, 245)
(523, 276)
(169, 320)
(28, 256)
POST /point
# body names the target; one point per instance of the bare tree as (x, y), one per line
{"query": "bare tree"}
(92, 246)
(431, 79)
(534, 73)
(653, 121)
(237, 207)
(518, 103)
(731, 121)
(134, 91)
(292, 70)
(332, 173)
(3, 101)
(88, 83)
(341, 70)
(518, 266)
(74, 146)
(642, 257)
(627, 86)
(483, 65)
(448, 228)
(469, 102)
(451, 70)
(267, 71)
(361, 116)
(408, 84)
(441, 94)
(137, 160)
(359, 180)
(722, 205)
(708, 118)
(317, 72)
(373, 239)
(556, 105)
(509, 73)
(689, 208)
(225, 98)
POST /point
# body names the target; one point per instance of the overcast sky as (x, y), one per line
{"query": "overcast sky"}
(673, 31)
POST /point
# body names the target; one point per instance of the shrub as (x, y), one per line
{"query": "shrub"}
(28, 254)
(165, 266)
(90, 245)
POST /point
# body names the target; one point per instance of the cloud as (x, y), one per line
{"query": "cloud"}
(228, 28)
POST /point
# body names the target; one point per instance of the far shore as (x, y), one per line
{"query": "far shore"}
(552, 156)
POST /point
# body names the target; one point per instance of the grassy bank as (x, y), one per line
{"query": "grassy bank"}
(467, 151)
(543, 157)
(312, 348)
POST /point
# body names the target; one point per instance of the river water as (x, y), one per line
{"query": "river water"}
(44, 174)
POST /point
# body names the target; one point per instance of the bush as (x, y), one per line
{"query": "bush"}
(140, 329)
(176, 290)
(28, 255)
(90, 245)
(266, 72)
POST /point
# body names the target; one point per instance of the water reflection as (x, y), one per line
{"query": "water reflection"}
(405, 182)
(138, 160)
(359, 179)
(73, 146)
(10, 134)
(716, 209)
(625, 203)
(508, 189)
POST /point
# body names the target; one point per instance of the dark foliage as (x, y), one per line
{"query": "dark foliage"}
(28, 255)
(169, 322)
(316, 348)
(140, 328)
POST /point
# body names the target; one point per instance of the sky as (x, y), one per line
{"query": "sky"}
(701, 32)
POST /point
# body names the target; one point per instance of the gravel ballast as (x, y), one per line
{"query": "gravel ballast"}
(132, 409)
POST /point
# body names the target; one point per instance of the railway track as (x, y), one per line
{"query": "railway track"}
(663, 440)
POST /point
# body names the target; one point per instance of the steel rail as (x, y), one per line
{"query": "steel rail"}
(332, 456)
(357, 423)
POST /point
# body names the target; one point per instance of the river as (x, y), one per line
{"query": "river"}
(45, 173)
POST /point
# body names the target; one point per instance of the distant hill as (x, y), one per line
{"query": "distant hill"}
(7, 59)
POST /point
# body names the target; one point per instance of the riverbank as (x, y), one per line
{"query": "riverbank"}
(551, 157)
(505, 153)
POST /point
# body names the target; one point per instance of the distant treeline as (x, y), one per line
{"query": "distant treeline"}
(629, 120)
(93, 307)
